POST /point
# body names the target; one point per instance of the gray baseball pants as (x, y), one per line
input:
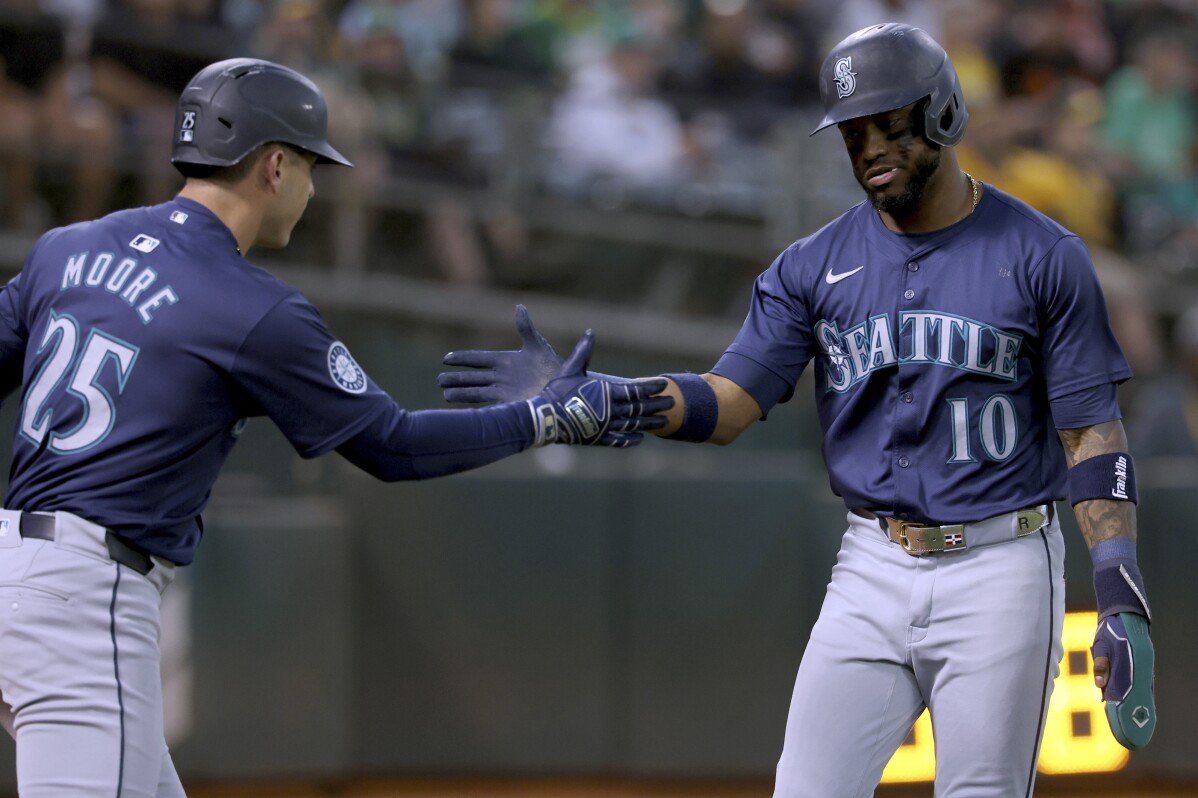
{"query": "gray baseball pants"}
(973, 635)
(79, 667)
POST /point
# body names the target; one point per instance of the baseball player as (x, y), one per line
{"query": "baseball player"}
(144, 340)
(952, 328)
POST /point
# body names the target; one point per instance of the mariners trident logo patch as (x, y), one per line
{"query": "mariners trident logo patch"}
(344, 370)
(846, 78)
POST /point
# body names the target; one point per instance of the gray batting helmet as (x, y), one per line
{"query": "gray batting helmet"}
(888, 66)
(233, 106)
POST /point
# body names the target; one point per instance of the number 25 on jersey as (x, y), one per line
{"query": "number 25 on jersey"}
(81, 366)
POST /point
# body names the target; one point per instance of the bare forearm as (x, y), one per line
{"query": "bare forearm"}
(1100, 519)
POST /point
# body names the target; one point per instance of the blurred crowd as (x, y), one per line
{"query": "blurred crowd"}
(1086, 109)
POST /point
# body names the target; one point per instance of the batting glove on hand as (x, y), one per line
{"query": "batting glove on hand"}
(1123, 665)
(503, 376)
(580, 409)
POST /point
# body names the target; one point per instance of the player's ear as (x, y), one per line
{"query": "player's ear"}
(271, 167)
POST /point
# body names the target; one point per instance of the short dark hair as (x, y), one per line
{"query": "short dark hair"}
(229, 175)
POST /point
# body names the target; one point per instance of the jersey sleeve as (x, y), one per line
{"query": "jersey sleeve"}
(774, 344)
(13, 336)
(305, 380)
(1079, 349)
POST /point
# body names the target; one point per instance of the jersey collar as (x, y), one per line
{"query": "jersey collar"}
(914, 245)
(195, 218)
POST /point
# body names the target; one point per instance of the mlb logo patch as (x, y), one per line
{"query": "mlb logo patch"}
(953, 540)
(178, 217)
(4, 528)
(144, 243)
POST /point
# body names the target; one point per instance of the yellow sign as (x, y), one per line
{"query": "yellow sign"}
(1076, 736)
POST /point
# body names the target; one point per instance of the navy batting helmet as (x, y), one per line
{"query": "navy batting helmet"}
(233, 106)
(888, 66)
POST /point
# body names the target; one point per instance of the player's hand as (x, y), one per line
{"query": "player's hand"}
(502, 376)
(580, 409)
(1123, 670)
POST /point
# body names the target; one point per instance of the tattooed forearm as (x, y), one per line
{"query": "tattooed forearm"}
(1086, 442)
(1099, 519)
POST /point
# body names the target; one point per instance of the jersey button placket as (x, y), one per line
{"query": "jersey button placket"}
(906, 418)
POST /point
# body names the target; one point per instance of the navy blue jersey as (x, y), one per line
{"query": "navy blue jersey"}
(938, 357)
(144, 341)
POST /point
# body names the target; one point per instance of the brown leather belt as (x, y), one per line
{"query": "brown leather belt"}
(919, 539)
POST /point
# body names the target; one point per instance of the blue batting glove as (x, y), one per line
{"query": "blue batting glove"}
(502, 376)
(576, 408)
(1122, 641)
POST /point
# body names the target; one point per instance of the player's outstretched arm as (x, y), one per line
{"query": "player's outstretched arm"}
(574, 408)
(1103, 494)
(719, 411)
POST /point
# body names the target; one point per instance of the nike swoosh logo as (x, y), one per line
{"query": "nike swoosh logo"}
(834, 278)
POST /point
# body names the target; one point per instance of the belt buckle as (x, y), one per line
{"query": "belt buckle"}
(1029, 521)
(932, 539)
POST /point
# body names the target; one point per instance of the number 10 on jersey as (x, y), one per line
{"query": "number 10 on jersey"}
(997, 426)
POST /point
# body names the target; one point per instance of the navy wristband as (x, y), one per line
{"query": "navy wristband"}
(1119, 587)
(700, 412)
(1107, 476)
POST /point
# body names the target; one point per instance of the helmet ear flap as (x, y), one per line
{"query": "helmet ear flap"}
(945, 120)
(920, 118)
(951, 111)
(945, 124)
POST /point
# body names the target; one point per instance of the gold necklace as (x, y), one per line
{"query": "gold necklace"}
(977, 191)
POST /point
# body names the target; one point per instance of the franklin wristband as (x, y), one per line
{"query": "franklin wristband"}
(1107, 476)
(701, 409)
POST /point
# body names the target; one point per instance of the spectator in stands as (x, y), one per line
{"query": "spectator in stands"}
(48, 92)
(143, 54)
(494, 49)
(968, 27)
(18, 143)
(611, 139)
(748, 66)
(856, 14)
(1149, 130)
(1165, 423)
(428, 28)
(437, 135)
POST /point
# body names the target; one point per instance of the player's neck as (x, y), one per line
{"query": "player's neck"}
(238, 213)
(947, 199)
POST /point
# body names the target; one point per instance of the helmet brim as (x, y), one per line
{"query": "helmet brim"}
(867, 108)
(824, 124)
(326, 154)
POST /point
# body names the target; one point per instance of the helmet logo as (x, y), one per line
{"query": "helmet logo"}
(846, 78)
(187, 129)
